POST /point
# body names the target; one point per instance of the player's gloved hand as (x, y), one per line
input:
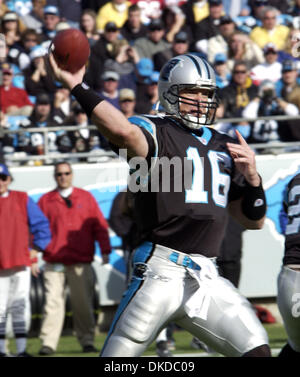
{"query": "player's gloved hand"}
(244, 159)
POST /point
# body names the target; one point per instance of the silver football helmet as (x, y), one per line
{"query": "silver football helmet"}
(188, 71)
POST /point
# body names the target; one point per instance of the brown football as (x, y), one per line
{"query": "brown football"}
(71, 49)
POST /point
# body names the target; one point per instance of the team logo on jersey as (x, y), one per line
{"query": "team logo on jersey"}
(258, 202)
(203, 140)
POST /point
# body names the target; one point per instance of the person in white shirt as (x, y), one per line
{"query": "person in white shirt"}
(270, 70)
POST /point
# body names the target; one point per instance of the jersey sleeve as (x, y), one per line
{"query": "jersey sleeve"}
(149, 130)
(39, 225)
(237, 186)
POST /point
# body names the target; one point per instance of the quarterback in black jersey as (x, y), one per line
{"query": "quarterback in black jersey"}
(288, 297)
(193, 175)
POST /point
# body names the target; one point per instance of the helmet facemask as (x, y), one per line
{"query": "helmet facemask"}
(201, 113)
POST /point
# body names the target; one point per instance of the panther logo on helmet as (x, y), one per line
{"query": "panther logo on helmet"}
(166, 71)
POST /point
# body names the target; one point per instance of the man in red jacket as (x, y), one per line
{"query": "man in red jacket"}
(13, 101)
(18, 214)
(76, 223)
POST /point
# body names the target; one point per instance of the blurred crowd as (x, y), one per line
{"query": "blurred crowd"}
(253, 46)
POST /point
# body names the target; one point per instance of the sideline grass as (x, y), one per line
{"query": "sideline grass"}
(69, 346)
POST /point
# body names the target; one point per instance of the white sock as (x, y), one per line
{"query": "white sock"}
(2, 345)
(162, 336)
(21, 344)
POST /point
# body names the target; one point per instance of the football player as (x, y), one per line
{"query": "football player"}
(175, 277)
(288, 297)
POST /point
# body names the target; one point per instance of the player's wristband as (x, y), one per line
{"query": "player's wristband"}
(254, 202)
(86, 97)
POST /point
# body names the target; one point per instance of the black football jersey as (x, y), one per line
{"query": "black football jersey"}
(292, 235)
(182, 202)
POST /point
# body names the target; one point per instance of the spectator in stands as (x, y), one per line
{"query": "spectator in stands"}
(3, 49)
(295, 13)
(88, 26)
(209, 26)
(14, 101)
(282, 6)
(69, 11)
(150, 9)
(11, 27)
(144, 70)
(62, 103)
(236, 8)
(234, 98)
(93, 4)
(18, 77)
(123, 61)
(79, 141)
(180, 45)
(19, 54)
(241, 47)
(3, 8)
(270, 31)
(223, 75)
(76, 222)
(295, 9)
(291, 50)
(154, 42)
(133, 28)
(219, 43)
(109, 88)
(249, 22)
(289, 89)
(148, 98)
(270, 70)
(113, 11)
(19, 216)
(34, 19)
(75, 141)
(174, 21)
(9, 140)
(195, 11)
(51, 19)
(38, 78)
(127, 100)
(99, 53)
(267, 104)
(34, 143)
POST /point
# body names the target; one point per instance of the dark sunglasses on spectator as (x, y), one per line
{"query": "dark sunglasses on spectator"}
(156, 29)
(3, 177)
(62, 173)
(241, 72)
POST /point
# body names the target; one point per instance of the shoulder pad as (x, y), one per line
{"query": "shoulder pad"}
(143, 122)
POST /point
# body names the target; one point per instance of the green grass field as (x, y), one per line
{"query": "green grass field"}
(69, 347)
